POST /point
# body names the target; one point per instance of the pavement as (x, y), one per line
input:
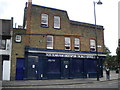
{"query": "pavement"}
(113, 76)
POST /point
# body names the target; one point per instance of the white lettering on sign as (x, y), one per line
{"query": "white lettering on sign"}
(68, 55)
(51, 60)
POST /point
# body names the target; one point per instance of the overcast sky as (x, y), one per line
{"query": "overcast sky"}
(78, 10)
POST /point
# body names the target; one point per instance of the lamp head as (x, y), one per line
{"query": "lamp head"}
(99, 2)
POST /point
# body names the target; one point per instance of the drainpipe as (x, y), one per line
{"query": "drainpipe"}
(11, 40)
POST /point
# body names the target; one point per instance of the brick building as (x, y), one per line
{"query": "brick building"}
(51, 46)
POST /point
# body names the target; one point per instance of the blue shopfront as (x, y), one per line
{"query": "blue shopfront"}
(42, 64)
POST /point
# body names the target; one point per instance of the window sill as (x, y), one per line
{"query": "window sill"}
(2, 49)
(57, 28)
(44, 26)
(17, 42)
(67, 49)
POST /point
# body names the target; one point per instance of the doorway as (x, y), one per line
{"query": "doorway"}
(66, 69)
(32, 67)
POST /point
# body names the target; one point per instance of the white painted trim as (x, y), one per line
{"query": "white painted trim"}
(32, 51)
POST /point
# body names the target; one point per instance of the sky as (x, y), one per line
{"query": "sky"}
(78, 10)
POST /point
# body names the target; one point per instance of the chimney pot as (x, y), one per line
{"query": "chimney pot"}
(29, 0)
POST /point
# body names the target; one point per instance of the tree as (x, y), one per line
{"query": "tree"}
(110, 61)
(107, 51)
(106, 60)
(118, 53)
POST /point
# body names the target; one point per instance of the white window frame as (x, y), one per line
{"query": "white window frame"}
(18, 38)
(57, 22)
(67, 43)
(77, 44)
(50, 45)
(44, 20)
(92, 45)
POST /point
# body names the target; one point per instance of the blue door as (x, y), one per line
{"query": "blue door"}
(53, 68)
(90, 68)
(20, 69)
(66, 68)
(32, 67)
(78, 68)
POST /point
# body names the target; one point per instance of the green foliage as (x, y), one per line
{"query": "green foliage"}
(118, 53)
(110, 61)
(107, 51)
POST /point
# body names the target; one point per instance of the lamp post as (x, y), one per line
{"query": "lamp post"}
(99, 3)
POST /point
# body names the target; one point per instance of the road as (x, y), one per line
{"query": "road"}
(103, 84)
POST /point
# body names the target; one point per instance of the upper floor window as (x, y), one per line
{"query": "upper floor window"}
(44, 20)
(18, 38)
(67, 43)
(92, 45)
(76, 44)
(49, 42)
(57, 22)
(2, 44)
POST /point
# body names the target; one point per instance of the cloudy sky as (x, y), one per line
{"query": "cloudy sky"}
(78, 10)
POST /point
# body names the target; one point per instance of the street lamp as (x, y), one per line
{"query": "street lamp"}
(99, 3)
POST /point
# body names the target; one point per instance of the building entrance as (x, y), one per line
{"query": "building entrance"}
(66, 68)
(32, 67)
(20, 69)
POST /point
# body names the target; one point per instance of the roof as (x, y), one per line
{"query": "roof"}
(77, 23)
(72, 22)
(48, 7)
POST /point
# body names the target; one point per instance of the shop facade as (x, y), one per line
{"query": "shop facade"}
(41, 64)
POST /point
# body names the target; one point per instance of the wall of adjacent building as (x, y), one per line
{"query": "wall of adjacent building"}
(17, 50)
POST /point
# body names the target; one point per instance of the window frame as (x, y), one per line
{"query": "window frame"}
(44, 17)
(67, 44)
(77, 44)
(92, 45)
(18, 38)
(57, 22)
(47, 41)
(2, 46)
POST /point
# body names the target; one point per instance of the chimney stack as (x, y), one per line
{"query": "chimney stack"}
(28, 19)
(29, 3)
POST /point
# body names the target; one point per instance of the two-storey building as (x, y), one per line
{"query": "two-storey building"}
(51, 46)
(5, 48)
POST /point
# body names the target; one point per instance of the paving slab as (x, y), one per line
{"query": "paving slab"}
(113, 76)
